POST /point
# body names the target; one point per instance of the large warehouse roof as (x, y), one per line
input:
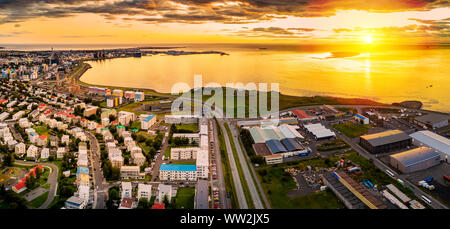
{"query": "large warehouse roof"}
(256, 135)
(319, 130)
(415, 156)
(433, 140)
(269, 133)
(261, 149)
(275, 146)
(301, 114)
(386, 137)
(291, 144)
(432, 118)
(287, 133)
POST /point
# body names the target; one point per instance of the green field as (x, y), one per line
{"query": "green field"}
(185, 198)
(193, 127)
(38, 201)
(42, 130)
(352, 130)
(277, 183)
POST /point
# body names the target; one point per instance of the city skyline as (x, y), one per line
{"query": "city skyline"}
(215, 21)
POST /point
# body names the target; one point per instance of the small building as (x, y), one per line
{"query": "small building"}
(415, 160)
(126, 203)
(75, 203)
(361, 119)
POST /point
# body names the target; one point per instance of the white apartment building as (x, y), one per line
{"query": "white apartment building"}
(186, 153)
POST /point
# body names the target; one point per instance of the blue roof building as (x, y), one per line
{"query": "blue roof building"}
(180, 168)
(275, 146)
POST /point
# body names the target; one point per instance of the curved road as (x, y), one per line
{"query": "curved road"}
(52, 179)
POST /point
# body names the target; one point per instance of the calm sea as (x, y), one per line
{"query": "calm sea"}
(385, 74)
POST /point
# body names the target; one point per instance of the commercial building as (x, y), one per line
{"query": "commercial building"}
(432, 120)
(435, 141)
(178, 172)
(275, 146)
(415, 160)
(201, 195)
(385, 141)
(274, 159)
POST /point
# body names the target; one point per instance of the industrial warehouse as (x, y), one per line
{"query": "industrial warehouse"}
(274, 143)
(415, 160)
(385, 141)
(433, 140)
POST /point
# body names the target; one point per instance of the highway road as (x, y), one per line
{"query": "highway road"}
(248, 177)
(235, 174)
(242, 153)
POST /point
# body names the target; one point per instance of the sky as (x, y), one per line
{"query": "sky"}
(224, 21)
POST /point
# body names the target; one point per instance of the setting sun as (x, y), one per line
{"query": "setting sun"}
(368, 39)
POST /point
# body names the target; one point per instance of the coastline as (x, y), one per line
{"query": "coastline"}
(285, 99)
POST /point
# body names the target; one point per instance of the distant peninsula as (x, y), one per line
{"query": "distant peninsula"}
(168, 47)
(179, 53)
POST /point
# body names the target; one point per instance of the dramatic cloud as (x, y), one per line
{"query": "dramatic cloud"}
(198, 11)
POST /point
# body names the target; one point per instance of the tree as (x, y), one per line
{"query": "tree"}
(38, 172)
(143, 203)
(8, 159)
(30, 181)
(66, 191)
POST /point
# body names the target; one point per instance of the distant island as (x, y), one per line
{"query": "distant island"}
(151, 47)
(343, 54)
(2, 47)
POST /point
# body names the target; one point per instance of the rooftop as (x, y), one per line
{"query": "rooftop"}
(432, 118)
(183, 168)
(433, 140)
(386, 137)
(414, 156)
